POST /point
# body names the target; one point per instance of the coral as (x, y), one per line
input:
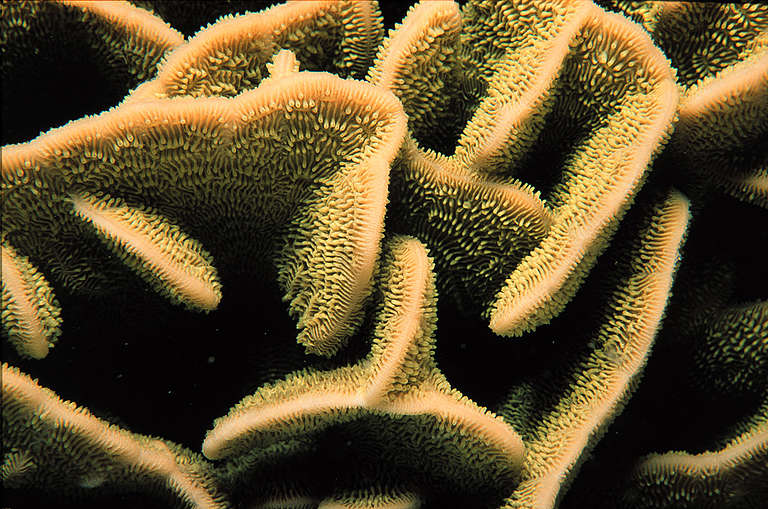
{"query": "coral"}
(589, 182)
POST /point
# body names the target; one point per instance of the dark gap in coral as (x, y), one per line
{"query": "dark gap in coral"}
(463, 92)
(543, 165)
(28, 499)
(66, 79)
(161, 369)
(189, 16)
(473, 358)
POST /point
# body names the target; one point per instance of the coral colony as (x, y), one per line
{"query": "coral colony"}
(515, 241)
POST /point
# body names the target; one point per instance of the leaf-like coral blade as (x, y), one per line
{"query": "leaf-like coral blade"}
(171, 261)
(30, 313)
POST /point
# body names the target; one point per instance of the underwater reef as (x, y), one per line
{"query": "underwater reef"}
(486, 254)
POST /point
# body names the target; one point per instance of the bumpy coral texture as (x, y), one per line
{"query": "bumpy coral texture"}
(342, 254)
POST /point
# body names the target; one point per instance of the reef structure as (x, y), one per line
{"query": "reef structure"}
(501, 256)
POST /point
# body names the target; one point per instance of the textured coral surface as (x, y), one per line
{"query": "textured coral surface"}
(484, 254)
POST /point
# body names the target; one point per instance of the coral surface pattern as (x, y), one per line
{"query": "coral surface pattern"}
(488, 254)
